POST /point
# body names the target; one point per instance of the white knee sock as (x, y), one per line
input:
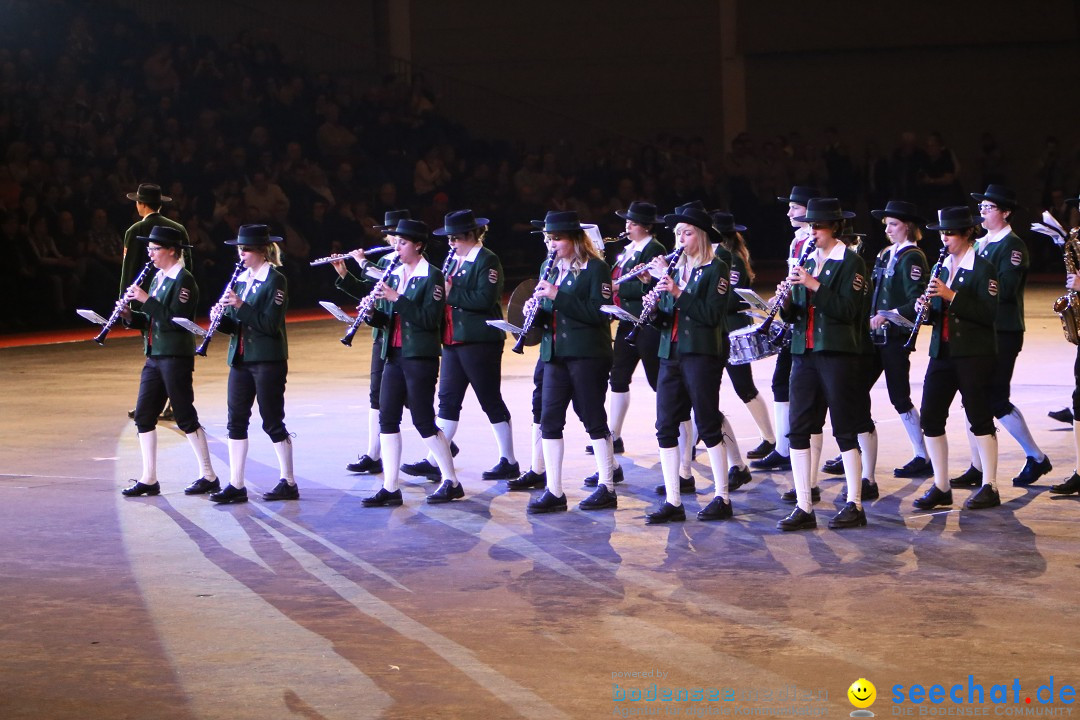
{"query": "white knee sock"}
(783, 427)
(868, 446)
(669, 465)
(1016, 425)
(390, 444)
(717, 454)
(686, 447)
(439, 451)
(504, 437)
(238, 450)
(816, 441)
(148, 446)
(976, 461)
(937, 449)
(620, 404)
(800, 474)
(988, 453)
(759, 410)
(553, 455)
(373, 442)
(853, 475)
(283, 450)
(731, 447)
(449, 430)
(605, 461)
(199, 446)
(536, 463)
(913, 426)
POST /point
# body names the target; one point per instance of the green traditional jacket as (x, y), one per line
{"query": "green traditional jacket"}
(972, 314)
(172, 294)
(700, 313)
(573, 323)
(419, 309)
(632, 291)
(258, 326)
(739, 277)
(903, 284)
(1009, 256)
(475, 296)
(838, 305)
(358, 287)
(135, 249)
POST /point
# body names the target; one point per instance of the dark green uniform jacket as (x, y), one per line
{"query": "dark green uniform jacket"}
(259, 324)
(419, 308)
(1009, 256)
(172, 294)
(135, 249)
(837, 305)
(701, 310)
(971, 314)
(476, 286)
(358, 287)
(631, 291)
(573, 323)
(903, 283)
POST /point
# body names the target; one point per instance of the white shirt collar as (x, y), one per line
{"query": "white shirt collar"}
(471, 256)
(422, 270)
(994, 237)
(967, 262)
(836, 253)
(172, 272)
(259, 276)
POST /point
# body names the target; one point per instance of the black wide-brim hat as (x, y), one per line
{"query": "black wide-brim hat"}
(149, 194)
(801, 194)
(643, 213)
(460, 222)
(724, 222)
(253, 235)
(901, 210)
(958, 217)
(1002, 196)
(166, 236)
(558, 221)
(823, 210)
(415, 230)
(391, 217)
(691, 216)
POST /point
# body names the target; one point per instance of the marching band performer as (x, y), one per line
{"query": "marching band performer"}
(692, 308)
(411, 303)
(576, 352)
(900, 276)
(472, 349)
(963, 350)
(1072, 485)
(1004, 249)
(170, 359)
(825, 305)
(254, 314)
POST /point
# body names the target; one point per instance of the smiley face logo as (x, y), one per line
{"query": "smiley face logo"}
(862, 693)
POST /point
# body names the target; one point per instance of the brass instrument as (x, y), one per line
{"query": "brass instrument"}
(367, 304)
(121, 306)
(532, 305)
(924, 312)
(631, 275)
(342, 258)
(785, 290)
(1068, 305)
(652, 299)
(215, 317)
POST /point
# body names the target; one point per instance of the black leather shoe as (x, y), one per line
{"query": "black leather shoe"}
(529, 480)
(737, 477)
(762, 450)
(717, 509)
(667, 513)
(616, 444)
(1063, 415)
(1070, 486)
(365, 465)
(773, 461)
(848, 517)
(203, 486)
(505, 470)
(686, 487)
(167, 414)
(383, 498)
(972, 477)
(1032, 471)
(131, 414)
(984, 497)
(798, 520)
(141, 489)
(834, 466)
(916, 467)
(283, 491)
(932, 498)
(594, 479)
(791, 497)
(869, 491)
(230, 495)
(423, 469)
(446, 492)
(602, 499)
(546, 503)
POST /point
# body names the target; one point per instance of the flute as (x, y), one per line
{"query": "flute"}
(342, 258)
(630, 276)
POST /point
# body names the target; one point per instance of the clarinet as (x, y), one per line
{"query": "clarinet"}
(215, 319)
(785, 290)
(121, 306)
(924, 313)
(652, 299)
(533, 306)
(367, 304)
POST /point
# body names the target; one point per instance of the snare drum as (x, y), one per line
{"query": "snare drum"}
(748, 345)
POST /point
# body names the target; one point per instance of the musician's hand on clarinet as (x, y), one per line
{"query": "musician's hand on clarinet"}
(800, 276)
(231, 299)
(938, 288)
(668, 284)
(544, 289)
(124, 308)
(385, 292)
(136, 293)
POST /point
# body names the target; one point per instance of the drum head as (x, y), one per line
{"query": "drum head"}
(515, 314)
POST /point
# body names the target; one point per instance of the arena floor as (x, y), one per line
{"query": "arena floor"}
(172, 607)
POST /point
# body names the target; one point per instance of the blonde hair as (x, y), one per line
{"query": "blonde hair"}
(584, 250)
(704, 254)
(271, 252)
